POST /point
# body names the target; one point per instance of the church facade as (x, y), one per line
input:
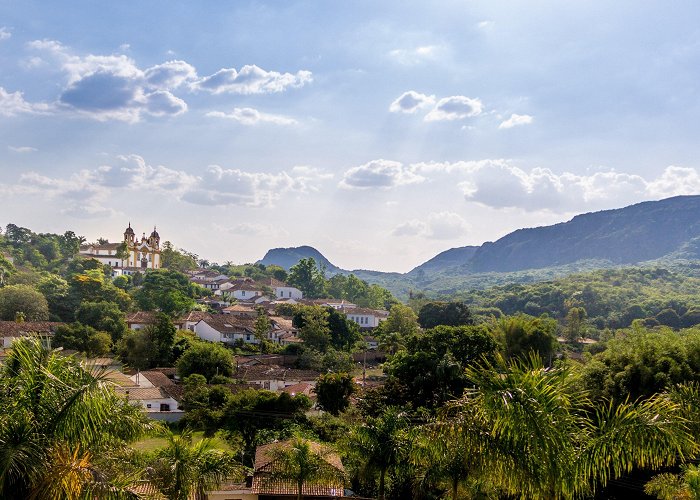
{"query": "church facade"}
(130, 256)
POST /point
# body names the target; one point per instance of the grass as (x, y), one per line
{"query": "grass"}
(155, 443)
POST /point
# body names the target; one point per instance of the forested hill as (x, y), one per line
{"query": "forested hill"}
(287, 257)
(627, 235)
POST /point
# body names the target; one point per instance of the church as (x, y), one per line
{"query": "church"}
(128, 257)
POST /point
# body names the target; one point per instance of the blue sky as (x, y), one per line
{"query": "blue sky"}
(379, 132)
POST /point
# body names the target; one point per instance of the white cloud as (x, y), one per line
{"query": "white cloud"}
(516, 120)
(437, 226)
(250, 116)
(485, 24)
(379, 174)
(170, 75)
(13, 103)
(251, 79)
(4, 33)
(253, 229)
(455, 107)
(22, 149)
(411, 101)
(416, 55)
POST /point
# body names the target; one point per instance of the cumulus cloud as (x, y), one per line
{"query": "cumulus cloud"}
(379, 174)
(22, 149)
(437, 226)
(516, 120)
(13, 103)
(113, 87)
(4, 33)
(90, 192)
(251, 116)
(251, 79)
(411, 101)
(456, 107)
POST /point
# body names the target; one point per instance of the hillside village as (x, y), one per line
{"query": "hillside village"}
(270, 361)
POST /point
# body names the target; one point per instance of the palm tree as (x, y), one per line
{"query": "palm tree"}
(685, 485)
(183, 467)
(302, 461)
(55, 418)
(540, 436)
(378, 445)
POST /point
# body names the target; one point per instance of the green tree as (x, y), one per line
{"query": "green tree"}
(59, 424)
(184, 469)
(377, 445)
(575, 324)
(314, 329)
(149, 347)
(249, 412)
(401, 320)
(444, 313)
(685, 485)
(24, 299)
(55, 290)
(333, 391)
(103, 316)
(82, 338)
(206, 359)
(522, 334)
(6, 269)
(166, 290)
(307, 277)
(301, 461)
(537, 435)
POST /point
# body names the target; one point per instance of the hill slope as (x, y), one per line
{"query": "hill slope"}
(287, 257)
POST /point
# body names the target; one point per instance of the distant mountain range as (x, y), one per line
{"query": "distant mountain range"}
(666, 229)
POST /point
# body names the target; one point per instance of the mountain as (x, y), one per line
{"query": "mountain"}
(287, 257)
(629, 235)
(661, 232)
(449, 258)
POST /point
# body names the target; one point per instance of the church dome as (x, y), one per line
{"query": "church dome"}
(129, 230)
(155, 234)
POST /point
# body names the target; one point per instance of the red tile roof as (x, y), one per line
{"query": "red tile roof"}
(15, 329)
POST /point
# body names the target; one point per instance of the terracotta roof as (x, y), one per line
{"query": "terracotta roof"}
(244, 285)
(141, 393)
(104, 246)
(158, 379)
(367, 312)
(228, 323)
(275, 372)
(119, 379)
(265, 465)
(15, 329)
(240, 308)
(195, 316)
(274, 283)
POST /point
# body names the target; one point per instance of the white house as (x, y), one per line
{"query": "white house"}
(366, 318)
(283, 290)
(227, 329)
(151, 399)
(12, 330)
(243, 290)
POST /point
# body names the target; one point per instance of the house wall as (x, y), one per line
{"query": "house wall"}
(206, 332)
(288, 292)
(364, 320)
(246, 294)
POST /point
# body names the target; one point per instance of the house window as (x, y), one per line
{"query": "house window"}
(247, 337)
(148, 405)
(164, 407)
(242, 293)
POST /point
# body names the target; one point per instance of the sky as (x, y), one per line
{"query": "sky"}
(381, 133)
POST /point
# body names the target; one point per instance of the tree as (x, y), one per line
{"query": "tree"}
(82, 338)
(345, 334)
(103, 316)
(24, 299)
(59, 424)
(301, 461)
(149, 347)
(251, 411)
(672, 487)
(262, 325)
(444, 313)
(166, 290)
(401, 320)
(206, 359)
(575, 324)
(307, 277)
(430, 371)
(522, 334)
(535, 434)
(314, 329)
(333, 391)
(378, 445)
(6, 269)
(183, 469)
(55, 290)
